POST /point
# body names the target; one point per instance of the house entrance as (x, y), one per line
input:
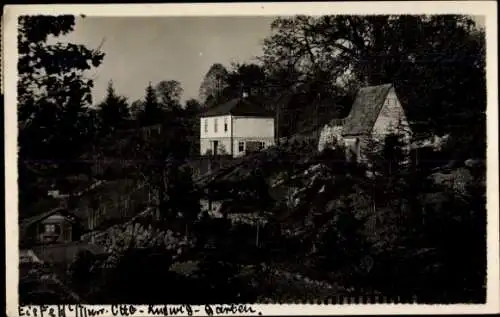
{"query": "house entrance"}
(215, 147)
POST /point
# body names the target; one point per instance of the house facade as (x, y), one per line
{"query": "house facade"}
(235, 128)
(375, 114)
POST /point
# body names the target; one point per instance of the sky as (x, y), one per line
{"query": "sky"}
(141, 50)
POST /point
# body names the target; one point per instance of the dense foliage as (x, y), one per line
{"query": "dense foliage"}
(39, 286)
(124, 246)
(213, 83)
(113, 111)
(53, 98)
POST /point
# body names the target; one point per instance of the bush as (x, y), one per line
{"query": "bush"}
(82, 270)
(136, 278)
(37, 287)
(121, 239)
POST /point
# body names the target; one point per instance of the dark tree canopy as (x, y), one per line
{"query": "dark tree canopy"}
(213, 83)
(437, 63)
(53, 92)
(169, 93)
(151, 112)
(114, 110)
(53, 98)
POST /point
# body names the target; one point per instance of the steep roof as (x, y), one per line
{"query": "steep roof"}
(238, 107)
(32, 220)
(365, 109)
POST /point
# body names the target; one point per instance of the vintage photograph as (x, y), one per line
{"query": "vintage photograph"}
(252, 159)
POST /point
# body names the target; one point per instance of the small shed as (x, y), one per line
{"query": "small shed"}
(375, 114)
(55, 226)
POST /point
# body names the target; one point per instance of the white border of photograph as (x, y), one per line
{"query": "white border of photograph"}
(487, 9)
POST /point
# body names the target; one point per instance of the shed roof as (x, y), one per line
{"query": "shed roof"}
(365, 109)
(32, 220)
(239, 107)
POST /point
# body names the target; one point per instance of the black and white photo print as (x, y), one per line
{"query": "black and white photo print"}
(236, 158)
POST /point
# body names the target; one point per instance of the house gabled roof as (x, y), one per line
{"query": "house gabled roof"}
(366, 109)
(32, 220)
(238, 107)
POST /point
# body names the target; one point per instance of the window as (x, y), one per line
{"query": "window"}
(225, 124)
(241, 146)
(215, 125)
(253, 146)
(50, 228)
(206, 125)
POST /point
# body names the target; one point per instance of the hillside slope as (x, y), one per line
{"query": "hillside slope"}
(359, 231)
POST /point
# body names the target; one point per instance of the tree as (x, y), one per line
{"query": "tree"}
(183, 199)
(385, 156)
(242, 78)
(192, 107)
(81, 270)
(37, 286)
(161, 151)
(113, 111)
(135, 108)
(255, 189)
(248, 78)
(140, 266)
(53, 92)
(171, 177)
(343, 241)
(169, 93)
(53, 96)
(151, 112)
(213, 83)
(192, 113)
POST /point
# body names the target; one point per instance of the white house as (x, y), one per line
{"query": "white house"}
(375, 113)
(236, 127)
